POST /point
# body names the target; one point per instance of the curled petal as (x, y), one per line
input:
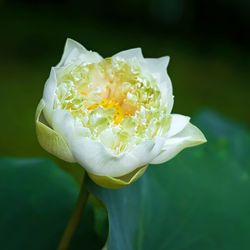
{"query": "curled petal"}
(63, 123)
(177, 124)
(190, 136)
(158, 67)
(74, 52)
(157, 64)
(49, 139)
(49, 95)
(130, 53)
(118, 182)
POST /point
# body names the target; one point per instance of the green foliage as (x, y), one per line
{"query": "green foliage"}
(199, 200)
(37, 199)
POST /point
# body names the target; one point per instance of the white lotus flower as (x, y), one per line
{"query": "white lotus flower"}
(113, 115)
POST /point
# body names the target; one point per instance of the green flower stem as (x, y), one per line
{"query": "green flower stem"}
(75, 217)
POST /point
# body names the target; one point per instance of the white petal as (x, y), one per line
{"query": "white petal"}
(48, 95)
(177, 124)
(71, 48)
(82, 132)
(63, 123)
(155, 63)
(96, 159)
(130, 53)
(188, 137)
(74, 52)
(158, 67)
(49, 139)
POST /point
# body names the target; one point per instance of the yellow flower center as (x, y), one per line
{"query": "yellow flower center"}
(109, 104)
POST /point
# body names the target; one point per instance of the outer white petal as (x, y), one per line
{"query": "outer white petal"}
(48, 95)
(155, 63)
(63, 123)
(188, 137)
(71, 48)
(158, 67)
(95, 158)
(49, 139)
(74, 52)
(177, 124)
(129, 54)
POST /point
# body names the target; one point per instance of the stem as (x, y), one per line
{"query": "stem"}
(75, 217)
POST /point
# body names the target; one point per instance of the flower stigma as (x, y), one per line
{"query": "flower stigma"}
(115, 101)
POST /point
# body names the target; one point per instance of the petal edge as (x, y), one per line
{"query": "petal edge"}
(118, 182)
(50, 140)
(190, 136)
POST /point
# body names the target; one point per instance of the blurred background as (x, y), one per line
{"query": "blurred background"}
(208, 42)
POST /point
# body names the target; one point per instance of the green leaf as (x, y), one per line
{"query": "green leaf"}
(199, 200)
(37, 199)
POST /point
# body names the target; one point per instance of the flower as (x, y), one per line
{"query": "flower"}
(113, 115)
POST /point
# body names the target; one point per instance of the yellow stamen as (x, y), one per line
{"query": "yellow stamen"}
(109, 104)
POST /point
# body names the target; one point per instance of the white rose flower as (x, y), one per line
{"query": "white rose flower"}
(113, 115)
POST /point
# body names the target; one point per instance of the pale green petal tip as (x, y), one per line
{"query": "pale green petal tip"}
(50, 140)
(118, 182)
(198, 136)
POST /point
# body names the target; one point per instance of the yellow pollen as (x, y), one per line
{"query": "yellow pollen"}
(109, 104)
